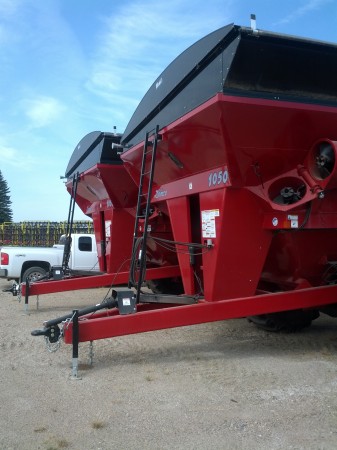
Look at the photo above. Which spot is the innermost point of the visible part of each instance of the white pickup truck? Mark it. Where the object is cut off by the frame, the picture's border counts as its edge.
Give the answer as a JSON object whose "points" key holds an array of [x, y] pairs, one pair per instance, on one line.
{"points": [[18, 263]]}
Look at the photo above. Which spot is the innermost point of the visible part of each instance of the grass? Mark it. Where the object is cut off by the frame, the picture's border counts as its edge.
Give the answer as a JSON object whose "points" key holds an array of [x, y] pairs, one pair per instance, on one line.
{"points": [[98, 424], [57, 444], [40, 429]]}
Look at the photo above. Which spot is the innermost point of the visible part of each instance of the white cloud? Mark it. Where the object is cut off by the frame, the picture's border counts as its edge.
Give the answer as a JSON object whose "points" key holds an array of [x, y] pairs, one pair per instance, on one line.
{"points": [[12, 157], [311, 5], [42, 111], [139, 40], [7, 153]]}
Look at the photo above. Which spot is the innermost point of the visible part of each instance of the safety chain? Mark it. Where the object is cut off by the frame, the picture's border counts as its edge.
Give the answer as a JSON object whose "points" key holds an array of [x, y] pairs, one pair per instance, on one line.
{"points": [[19, 295], [52, 347], [68, 321]]}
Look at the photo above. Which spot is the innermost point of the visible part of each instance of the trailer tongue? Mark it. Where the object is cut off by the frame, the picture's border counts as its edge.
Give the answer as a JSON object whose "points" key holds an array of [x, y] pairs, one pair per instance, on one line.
{"points": [[222, 188]]}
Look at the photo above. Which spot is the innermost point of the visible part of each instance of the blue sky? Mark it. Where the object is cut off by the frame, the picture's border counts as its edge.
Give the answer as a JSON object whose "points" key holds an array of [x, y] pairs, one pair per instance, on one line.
{"points": [[68, 67]]}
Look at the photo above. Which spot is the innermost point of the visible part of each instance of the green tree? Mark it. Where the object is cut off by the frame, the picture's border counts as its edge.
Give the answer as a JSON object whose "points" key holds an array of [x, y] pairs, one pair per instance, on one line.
{"points": [[6, 214]]}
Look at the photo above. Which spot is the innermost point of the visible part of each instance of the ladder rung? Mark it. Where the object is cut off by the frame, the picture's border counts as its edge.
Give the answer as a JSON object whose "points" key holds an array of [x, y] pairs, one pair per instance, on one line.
{"points": [[142, 175]]}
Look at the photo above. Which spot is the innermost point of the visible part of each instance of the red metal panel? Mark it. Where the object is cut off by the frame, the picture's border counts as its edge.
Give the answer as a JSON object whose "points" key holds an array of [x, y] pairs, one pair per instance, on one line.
{"points": [[301, 254], [119, 246], [232, 268], [105, 182], [194, 184]]}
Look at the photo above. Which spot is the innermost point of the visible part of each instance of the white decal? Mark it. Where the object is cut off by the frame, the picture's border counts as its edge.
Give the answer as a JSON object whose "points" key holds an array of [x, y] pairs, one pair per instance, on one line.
{"points": [[275, 221], [107, 228], [293, 221], [208, 223]]}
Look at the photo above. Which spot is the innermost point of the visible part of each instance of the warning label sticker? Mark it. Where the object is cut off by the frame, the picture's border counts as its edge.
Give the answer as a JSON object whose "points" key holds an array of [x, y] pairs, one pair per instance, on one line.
{"points": [[107, 228], [208, 222]]}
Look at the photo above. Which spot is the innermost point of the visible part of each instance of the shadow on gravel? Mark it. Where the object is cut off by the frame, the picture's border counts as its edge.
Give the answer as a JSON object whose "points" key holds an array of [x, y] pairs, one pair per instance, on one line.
{"points": [[223, 341]]}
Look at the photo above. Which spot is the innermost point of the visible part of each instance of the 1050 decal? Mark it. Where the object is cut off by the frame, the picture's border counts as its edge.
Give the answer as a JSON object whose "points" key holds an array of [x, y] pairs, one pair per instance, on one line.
{"points": [[218, 177]]}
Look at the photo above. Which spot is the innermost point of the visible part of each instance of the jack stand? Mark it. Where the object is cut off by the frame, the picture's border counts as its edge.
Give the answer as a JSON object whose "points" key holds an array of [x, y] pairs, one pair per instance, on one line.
{"points": [[74, 374], [26, 296], [91, 353]]}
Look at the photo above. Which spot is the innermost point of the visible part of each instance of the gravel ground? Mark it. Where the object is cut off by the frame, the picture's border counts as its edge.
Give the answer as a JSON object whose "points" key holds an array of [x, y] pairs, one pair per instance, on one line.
{"points": [[225, 385]]}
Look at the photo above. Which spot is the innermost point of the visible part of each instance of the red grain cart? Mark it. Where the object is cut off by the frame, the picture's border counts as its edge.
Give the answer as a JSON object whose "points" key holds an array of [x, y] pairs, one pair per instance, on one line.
{"points": [[221, 193]]}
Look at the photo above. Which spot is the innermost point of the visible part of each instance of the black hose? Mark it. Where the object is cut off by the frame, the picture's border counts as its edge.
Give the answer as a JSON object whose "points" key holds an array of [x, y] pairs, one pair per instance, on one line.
{"points": [[107, 304]]}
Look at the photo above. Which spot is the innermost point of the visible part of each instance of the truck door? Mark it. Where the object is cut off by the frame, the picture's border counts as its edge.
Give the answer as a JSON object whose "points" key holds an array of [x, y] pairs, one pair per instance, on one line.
{"points": [[84, 254]]}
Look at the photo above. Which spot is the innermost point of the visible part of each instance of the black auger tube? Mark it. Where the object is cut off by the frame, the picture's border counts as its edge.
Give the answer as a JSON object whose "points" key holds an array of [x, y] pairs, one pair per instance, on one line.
{"points": [[108, 304]]}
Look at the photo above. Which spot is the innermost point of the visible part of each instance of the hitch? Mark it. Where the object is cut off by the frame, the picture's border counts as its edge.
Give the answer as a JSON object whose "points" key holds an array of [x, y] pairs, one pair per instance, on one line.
{"points": [[52, 333], [51, 326], [123, 300], [15, 289]]}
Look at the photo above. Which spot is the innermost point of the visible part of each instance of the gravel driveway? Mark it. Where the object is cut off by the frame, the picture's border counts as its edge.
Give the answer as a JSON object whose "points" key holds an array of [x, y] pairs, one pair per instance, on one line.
{"points": [[224, 385]]}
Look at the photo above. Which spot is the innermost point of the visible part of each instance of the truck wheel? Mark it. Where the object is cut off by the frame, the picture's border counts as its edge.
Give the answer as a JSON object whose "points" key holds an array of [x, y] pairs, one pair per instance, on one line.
{"points": [[171, 286], [289, 321], [33, 273]]}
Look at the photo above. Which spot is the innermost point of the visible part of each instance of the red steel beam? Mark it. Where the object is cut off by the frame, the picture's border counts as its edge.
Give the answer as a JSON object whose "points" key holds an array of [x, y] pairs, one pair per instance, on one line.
{"points": [[93, 281], [103, 325]]}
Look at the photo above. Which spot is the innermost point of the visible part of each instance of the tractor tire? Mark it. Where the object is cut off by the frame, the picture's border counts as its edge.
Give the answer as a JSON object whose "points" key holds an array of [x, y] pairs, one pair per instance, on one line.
{"points": [[34, 273], [171, 286], [288, 321]]}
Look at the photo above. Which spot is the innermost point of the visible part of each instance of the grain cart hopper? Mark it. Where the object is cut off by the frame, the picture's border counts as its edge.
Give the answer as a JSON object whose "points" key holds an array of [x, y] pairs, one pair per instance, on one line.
{"points": [[226, 184]]}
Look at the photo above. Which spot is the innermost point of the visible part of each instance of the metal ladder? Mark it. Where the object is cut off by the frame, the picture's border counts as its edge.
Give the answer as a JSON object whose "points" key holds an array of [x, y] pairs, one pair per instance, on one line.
{"points": [[138, 255]]}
